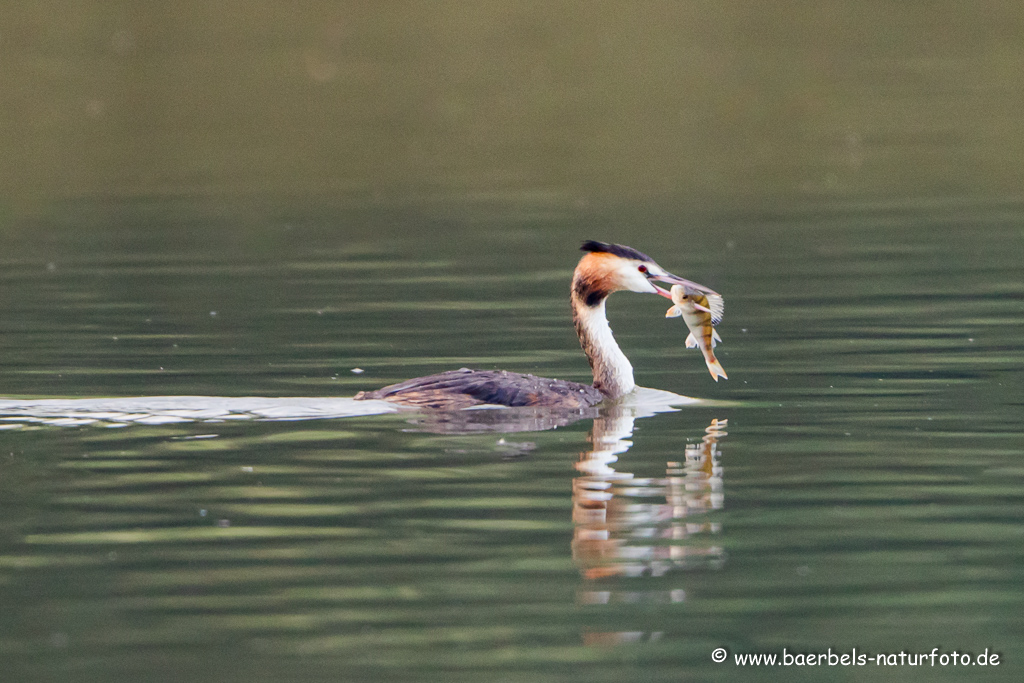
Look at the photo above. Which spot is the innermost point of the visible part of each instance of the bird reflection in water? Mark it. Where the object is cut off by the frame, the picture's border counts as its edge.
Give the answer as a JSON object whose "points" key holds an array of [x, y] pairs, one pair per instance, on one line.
{"points": [[626, 529], [621, 533]]}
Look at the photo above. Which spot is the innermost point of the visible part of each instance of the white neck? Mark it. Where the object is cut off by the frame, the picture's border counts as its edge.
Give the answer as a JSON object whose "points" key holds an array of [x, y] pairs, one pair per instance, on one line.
{"points": [[613, 373]]}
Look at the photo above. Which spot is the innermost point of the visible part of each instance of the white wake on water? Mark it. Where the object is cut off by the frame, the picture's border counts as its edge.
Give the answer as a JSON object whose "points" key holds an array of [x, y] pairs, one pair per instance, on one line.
{"points": [[156, 410], [119, 412]]}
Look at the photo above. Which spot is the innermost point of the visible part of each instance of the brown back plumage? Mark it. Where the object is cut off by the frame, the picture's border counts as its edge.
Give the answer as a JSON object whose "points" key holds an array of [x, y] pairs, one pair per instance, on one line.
{"points": [[464, 388]]}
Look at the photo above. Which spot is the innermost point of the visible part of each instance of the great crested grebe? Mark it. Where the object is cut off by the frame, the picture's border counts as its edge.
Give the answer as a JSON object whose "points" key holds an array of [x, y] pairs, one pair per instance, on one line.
{"points": [[604, 269]]}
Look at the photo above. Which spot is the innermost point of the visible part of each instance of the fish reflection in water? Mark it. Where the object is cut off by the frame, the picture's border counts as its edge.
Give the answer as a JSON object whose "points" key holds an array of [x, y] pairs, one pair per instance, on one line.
{"points": [[618, 536]]}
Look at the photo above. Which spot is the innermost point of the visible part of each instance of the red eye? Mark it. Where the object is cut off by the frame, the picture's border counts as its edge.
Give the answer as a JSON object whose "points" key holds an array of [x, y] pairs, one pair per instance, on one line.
{"points": [[642, 269]]}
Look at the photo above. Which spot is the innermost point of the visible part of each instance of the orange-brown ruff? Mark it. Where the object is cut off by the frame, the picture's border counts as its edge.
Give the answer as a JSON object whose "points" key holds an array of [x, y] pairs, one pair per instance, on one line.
{"points": [[604, 269]]}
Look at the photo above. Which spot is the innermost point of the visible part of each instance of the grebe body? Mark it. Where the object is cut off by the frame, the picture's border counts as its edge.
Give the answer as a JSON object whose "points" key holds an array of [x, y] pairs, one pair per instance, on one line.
{"points": [[604, 269]]}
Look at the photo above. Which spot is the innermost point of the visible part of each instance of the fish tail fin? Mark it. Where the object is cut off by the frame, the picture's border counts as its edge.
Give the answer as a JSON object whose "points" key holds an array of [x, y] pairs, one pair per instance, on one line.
{"points": [[715, 368], [691, 341]]}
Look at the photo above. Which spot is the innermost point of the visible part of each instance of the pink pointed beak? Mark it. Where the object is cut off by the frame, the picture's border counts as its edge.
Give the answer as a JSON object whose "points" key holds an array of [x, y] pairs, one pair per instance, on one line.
{"points": [[664, 292], [676, 280]]}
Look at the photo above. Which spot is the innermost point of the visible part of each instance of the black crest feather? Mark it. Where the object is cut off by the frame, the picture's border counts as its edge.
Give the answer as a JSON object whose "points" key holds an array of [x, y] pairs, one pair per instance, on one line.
{"points": [[616, 249]]}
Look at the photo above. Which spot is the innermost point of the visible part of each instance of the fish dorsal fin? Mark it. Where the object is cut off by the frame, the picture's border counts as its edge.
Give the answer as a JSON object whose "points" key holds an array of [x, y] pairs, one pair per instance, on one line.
{"points": [[717, 305], [714, 337]]}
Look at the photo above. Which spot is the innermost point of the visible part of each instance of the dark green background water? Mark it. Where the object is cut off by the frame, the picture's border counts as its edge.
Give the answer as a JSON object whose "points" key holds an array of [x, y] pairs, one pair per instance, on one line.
{"points": [[255, 199]]}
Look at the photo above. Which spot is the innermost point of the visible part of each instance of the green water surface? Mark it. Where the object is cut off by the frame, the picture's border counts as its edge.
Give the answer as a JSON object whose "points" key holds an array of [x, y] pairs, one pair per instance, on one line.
{"points": [[865, 493]]}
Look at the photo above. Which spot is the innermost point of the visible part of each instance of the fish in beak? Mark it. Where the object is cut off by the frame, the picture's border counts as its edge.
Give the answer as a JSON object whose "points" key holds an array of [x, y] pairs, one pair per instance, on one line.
{"points": [[701, 311]]}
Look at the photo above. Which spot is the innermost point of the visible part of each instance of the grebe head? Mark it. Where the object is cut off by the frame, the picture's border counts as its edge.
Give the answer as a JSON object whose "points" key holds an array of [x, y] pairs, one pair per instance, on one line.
{"points": [[604, 269], [608, 268]]}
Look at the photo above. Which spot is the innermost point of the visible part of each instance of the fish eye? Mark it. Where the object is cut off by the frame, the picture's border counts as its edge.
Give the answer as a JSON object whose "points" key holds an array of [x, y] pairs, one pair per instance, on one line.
{"points": [[642, 268]]}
